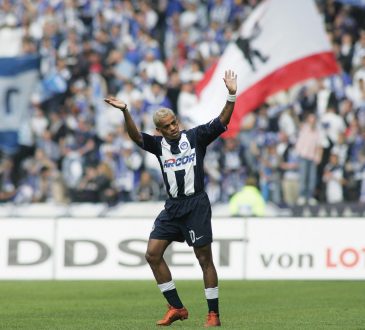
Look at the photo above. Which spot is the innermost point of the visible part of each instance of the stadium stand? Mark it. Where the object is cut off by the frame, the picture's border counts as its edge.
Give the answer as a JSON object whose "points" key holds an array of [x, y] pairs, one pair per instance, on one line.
{"points": [[151, 54]]}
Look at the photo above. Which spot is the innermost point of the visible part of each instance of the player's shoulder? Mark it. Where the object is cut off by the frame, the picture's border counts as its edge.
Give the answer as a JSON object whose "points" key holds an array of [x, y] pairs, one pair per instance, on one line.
{"points": [[212, 124], [190, 133], [152, 136]]}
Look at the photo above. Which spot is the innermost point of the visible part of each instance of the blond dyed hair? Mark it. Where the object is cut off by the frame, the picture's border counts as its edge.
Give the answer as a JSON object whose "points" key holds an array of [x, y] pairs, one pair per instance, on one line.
{"points": [[161, 113]]}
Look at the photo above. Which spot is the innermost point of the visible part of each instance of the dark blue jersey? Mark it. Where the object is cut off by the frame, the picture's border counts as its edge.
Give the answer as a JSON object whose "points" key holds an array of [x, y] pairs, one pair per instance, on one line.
{"points": [[182, 161]]}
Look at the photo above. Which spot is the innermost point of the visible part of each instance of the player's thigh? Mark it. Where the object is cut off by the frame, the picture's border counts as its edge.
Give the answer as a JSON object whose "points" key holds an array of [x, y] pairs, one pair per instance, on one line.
{"points": [[198, 226], [166, 229]]}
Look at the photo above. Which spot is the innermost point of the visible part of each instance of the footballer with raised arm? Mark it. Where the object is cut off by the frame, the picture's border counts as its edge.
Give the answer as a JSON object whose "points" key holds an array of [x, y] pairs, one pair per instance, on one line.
{"points": [[187, 212]]}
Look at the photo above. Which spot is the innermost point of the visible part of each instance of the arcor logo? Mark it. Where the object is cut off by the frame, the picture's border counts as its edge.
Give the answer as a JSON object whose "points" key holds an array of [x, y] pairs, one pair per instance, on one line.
{"points": [[172, 162]]}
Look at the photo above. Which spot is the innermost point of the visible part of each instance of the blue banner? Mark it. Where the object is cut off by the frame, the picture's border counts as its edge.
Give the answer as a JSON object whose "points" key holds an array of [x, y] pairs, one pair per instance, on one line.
{"points": [[18, 78]]}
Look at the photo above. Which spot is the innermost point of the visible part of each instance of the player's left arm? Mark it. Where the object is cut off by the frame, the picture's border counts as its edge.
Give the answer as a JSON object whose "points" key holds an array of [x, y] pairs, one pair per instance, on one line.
{"points": [[230, 79]]}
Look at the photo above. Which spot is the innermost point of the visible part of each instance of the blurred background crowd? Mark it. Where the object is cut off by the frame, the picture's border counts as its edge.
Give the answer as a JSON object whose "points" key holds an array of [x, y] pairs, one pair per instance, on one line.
{"points": [[304, 145]]}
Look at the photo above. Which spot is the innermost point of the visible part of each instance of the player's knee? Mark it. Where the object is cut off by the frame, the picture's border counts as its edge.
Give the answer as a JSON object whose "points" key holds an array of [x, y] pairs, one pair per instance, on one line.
{"points": [[151, 257], [204, 260], [148, 257]]}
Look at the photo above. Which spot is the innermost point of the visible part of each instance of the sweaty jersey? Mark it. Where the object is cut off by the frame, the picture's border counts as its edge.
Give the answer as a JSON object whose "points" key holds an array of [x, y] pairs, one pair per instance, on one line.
{"points": [[182, 160]]}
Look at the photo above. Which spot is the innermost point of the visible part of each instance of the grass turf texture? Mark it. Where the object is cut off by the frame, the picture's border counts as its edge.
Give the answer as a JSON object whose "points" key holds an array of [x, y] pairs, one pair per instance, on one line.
{"points": [[138, 304]]}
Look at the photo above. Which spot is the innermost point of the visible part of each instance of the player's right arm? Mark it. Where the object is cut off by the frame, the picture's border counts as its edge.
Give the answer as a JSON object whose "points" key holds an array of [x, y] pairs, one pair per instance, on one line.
{"points": [[230, 79], [132, 129]]}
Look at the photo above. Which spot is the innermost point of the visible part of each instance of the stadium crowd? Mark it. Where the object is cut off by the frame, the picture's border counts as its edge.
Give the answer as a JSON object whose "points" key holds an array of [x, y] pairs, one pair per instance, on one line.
{"points": [[151, 54]]}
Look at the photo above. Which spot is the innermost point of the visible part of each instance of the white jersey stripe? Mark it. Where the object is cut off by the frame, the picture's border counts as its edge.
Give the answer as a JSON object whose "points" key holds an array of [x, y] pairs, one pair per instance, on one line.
{"points": [[189, 170], [165, 158], [185, 160]]}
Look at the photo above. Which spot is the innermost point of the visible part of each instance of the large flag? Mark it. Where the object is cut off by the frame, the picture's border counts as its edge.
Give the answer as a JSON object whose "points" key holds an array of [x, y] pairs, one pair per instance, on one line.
{"points": [[281, 43], [18, 77]]}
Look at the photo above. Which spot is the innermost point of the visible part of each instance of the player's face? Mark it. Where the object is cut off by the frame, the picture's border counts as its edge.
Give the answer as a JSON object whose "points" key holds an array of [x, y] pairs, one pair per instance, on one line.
{"points": [[169, 127]]}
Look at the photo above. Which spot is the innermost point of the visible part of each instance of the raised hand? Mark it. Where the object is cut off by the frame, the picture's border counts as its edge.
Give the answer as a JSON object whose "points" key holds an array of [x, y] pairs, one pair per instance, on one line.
{"points": [[116, 103], [132, 129], [230, 79]]}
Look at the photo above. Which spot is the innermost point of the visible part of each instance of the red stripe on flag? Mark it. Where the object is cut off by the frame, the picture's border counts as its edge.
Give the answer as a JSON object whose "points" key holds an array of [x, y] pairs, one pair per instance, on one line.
{"points": [[206, 79], [314, 66]]}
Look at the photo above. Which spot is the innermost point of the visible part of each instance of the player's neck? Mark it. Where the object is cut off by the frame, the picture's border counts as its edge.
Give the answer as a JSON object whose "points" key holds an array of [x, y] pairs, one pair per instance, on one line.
{"points": [[172, 140]]}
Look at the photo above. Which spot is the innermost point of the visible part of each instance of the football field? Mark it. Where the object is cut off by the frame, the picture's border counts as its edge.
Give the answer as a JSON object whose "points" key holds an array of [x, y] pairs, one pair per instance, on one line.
{"points": [[138, 304]]}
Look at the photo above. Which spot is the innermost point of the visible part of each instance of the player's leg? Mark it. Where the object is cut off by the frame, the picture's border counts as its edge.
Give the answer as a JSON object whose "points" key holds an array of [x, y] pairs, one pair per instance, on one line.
{"points": [[161, 272], [154, 256], [205, 258], [198, 233]]}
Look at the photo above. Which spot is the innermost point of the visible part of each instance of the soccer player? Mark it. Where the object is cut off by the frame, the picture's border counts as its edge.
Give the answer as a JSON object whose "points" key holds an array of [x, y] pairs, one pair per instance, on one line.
{"points": [[187, 212]]}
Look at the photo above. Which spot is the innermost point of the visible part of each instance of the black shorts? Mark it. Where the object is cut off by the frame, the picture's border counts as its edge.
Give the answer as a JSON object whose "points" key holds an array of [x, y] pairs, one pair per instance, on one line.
{"points": [[187, 219]]}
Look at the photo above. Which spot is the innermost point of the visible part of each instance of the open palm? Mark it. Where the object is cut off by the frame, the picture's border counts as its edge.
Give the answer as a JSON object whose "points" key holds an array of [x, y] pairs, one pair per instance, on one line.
{"points": [[230, 79], [116, 103]]}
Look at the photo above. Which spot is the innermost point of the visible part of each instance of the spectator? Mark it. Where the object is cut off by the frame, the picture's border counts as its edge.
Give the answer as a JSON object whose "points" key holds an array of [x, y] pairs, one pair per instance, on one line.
{"points": [[220, 12], [148, 189], [104, 181], [122, 69], [359, 50], [185, 103], [155, 69], [341, 149], [128, 171], [362, 178], [155, 97], [346, 52], [41, 181], [49, 147], [333, 176], [347, 111], [248, 201], [234, 170], [269, 170], [309, 149], [11, 36], [81, 140], [87, 189], [39, 122], [70, 48], [43, 187], [7, 187], [289, 166], [173, 90], [246, 139], [214, 176], [333, 125], [288, 123]]}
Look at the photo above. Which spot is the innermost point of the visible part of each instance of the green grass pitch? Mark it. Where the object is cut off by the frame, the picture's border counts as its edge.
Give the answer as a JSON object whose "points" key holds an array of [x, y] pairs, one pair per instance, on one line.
{"points": [[138, 304]]}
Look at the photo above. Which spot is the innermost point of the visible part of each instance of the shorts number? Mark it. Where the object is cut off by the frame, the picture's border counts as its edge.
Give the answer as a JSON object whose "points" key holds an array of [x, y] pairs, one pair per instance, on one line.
{"points": [[192, 235]]}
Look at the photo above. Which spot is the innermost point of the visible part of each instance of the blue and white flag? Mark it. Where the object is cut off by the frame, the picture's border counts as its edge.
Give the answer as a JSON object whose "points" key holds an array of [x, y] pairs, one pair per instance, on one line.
{"points": [[18, 78]]}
